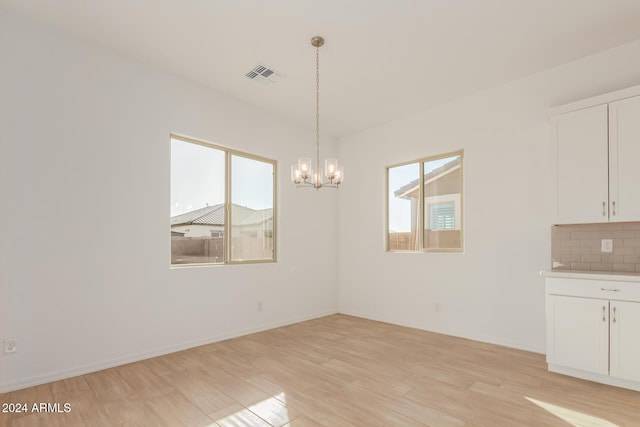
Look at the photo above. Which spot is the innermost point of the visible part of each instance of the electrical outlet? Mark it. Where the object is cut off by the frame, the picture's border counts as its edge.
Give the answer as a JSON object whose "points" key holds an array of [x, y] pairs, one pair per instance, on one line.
{"points": [[259, 307], [10, 345], [606, 245]]}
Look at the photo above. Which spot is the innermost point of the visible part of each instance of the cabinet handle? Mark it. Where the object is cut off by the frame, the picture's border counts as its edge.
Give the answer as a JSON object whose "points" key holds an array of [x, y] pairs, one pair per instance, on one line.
{"points": [[604, 207], [604, 319], [609, 290], [614, 208], [614, 315]]}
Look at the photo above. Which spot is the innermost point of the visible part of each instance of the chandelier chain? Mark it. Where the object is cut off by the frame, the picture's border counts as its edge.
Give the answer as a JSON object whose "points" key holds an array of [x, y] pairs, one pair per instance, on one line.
{"points": [[318, 109]]}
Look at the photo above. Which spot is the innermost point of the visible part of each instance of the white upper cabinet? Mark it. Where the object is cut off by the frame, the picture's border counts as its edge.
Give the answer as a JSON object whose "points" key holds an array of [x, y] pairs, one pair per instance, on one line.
{"points": [[581, 165], [624, 159], [597, 162]]}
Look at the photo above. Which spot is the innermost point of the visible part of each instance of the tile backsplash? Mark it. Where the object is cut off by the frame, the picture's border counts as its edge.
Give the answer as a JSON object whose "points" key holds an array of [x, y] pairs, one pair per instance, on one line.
{"points": [[578, 247]]}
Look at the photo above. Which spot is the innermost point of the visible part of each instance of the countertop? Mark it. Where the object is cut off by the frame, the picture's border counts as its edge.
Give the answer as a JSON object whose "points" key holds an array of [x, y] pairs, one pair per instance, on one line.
{"points": [[592, 275]]}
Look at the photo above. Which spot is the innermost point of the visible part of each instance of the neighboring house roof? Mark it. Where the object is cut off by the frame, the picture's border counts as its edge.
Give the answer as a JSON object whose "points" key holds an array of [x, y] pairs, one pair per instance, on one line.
{"points": [[437, 173], [256, 217], [214, 215]]}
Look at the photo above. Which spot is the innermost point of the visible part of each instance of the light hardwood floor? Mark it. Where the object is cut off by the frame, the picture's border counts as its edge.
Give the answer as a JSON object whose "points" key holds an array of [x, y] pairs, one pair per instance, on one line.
{"points": [[334, 371]]}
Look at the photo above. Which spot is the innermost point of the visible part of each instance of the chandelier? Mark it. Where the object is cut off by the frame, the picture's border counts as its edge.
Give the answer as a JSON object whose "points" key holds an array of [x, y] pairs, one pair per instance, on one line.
{"points": [[302, 173]]}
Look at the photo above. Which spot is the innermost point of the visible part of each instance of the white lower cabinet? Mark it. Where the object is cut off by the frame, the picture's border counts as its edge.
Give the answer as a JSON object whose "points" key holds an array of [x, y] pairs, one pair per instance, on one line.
{"points": [[593, 330], [624, 340], [578, 334]]}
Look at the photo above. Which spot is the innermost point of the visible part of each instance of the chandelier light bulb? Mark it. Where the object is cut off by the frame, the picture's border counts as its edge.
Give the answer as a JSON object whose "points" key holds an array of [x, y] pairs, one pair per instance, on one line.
{"points": [[339, 175], [296, 177], [330, 168], [304, 166]]}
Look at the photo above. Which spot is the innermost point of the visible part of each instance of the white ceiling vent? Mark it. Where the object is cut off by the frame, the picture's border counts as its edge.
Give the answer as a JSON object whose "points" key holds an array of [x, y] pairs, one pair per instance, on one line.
{"points": [[263, 74]]}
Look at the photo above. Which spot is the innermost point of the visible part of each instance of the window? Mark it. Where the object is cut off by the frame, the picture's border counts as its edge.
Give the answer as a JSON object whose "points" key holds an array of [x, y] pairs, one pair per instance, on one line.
{"points": [[222, 205], [425, 214]]}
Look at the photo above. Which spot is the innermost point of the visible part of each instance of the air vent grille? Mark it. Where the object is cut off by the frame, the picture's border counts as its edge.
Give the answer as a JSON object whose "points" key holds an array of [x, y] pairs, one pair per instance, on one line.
{"points": [[263, 74]]}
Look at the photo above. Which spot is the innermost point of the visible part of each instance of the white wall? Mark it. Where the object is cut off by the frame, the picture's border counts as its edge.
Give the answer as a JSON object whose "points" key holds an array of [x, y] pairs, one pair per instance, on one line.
{"points": [[84, 205], [492, 292]]}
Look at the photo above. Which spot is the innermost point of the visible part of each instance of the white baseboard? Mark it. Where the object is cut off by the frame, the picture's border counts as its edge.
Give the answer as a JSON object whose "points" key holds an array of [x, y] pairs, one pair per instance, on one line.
{"points": [[590, 376], [483, 338], [106, 364]]}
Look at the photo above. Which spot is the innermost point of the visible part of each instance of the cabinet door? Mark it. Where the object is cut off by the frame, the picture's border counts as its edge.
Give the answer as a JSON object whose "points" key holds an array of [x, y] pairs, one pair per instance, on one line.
{"points": [[625, 340], [581, 166], [624, 159], [578, 333]]}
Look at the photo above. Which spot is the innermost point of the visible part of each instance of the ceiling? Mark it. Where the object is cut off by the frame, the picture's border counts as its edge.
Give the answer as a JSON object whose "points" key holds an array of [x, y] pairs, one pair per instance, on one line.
{"points": [[383, 59]]}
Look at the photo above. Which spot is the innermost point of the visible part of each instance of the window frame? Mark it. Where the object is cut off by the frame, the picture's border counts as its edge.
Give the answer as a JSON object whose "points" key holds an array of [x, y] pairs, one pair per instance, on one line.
{"points": [[228, 232], [422, 205]]}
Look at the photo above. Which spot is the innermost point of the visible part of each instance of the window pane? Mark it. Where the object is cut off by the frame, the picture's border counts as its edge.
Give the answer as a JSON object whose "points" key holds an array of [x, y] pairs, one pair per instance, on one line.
{"points": [[197, 203], [442, 200], [403, 208], [252, 199]]}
